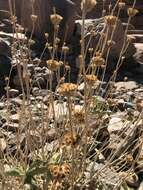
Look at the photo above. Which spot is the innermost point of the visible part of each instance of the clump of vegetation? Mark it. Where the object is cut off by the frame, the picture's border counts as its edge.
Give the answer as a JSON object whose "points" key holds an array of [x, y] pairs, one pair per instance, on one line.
{"points": [[82, 153]]}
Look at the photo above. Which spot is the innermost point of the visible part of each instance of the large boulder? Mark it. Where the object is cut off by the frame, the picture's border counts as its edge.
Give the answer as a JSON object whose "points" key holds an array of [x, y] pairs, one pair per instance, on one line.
{"points": [[43, 9]]}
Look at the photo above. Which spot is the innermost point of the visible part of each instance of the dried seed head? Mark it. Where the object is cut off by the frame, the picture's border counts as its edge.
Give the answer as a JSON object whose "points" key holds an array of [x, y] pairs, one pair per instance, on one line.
{"points": [[34, 18], [53, 65], [65, 49], [91, 79], [67, 89], [46, 35], [90, 50], [121, 4], [88, 5], [79, 116], [110, 43], [13, 19], [110, 20], [56, 19], [93, 33], [97, 61], [65, 169], [50, 47], [129, 158], [67, 68], [57, 40], [69, 139], [132, 12], [55, 170]]}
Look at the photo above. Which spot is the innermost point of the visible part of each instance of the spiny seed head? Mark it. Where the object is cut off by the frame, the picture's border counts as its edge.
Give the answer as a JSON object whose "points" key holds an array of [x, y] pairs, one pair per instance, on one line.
{"points": [[55, 170], [34, 18], [110, 20], [67, 89], [97, 61], [56, 19], [88, 5], [91, 79], [53, 65], [69, 139], [132, 12], [60, 171], [65, 168]]}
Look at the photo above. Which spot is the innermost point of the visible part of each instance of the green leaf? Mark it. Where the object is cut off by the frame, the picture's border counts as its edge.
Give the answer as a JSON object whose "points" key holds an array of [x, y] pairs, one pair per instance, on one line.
{"points": [[36, 171], [55, 159], [16, 172]]}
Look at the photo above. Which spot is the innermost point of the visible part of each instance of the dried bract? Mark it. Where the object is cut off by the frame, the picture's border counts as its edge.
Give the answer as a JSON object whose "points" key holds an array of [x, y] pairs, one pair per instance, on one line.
{"points": [[56, 19], [67, 89], [53, 65], [132, 12]]}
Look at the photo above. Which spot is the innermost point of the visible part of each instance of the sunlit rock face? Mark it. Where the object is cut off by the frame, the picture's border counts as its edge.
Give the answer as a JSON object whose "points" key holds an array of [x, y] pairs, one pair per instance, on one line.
{"points": [[43, 9]]}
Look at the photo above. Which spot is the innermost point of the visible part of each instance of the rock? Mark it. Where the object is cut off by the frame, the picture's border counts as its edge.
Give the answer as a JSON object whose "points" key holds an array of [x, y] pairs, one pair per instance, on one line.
{"points": [[2, 105], [4, 47], [141, 186], [13, 93], [11, 36], [43, 9], [14, 118], [16, 101], [51, 135], [98, 25], [139, 52], [97, 12], [13, 127], [132, 180], [5, 65], [130, 85], [3, 145]]}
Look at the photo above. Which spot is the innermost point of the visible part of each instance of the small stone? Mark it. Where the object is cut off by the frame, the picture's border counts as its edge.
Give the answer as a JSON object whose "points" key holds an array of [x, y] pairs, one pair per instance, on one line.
{"points": [[14, 118], [2, 105], [3, 144], [13, 93], [130, 85], [51, 135], [13, 127], [16, 101]]}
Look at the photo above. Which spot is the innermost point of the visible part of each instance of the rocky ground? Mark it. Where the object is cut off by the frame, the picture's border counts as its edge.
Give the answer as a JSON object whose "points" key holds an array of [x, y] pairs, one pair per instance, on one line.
{"points": [[123, 108]]}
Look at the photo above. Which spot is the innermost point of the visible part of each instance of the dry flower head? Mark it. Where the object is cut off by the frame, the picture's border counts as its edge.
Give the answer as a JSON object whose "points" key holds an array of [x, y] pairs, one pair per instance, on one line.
{"points": [[110, 20], [132, 12], [56, 19], [88, 5], [91, 79], [69, 139], [67, 89], [53, 65], [97, 61]]}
